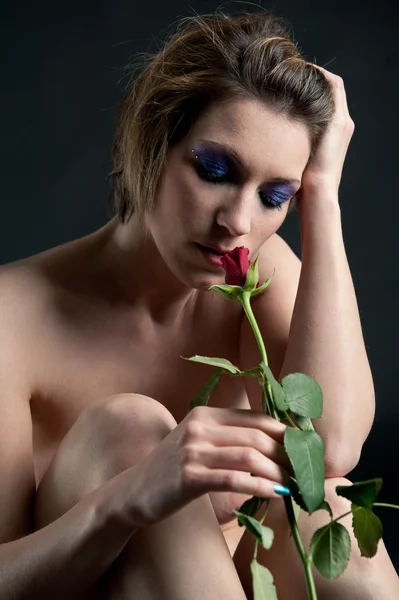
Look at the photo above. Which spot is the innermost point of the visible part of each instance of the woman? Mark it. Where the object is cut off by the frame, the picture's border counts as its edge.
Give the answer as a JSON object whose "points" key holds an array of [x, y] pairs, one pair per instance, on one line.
{"points": [[109, 488]]}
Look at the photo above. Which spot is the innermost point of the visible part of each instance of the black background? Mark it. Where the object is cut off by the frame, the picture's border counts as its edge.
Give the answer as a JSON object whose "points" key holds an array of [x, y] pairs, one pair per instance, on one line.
{"points": [[62, 78]]}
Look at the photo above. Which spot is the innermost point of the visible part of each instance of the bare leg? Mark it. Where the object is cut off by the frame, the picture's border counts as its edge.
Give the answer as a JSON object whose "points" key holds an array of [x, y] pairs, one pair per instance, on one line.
{"points": [[363, 579], [183, 557]]}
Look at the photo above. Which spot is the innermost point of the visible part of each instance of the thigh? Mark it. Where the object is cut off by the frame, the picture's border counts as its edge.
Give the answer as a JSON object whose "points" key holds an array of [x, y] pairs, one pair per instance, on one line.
{"points": [[108, 437]]}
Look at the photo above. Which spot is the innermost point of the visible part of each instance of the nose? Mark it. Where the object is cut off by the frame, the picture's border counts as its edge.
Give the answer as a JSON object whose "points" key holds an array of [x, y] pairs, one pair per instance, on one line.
{"points": [[235, 214]]}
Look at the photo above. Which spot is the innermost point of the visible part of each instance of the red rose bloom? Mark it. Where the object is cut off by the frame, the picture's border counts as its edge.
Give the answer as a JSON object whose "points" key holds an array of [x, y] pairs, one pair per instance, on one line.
{"points": [[236, 265]]}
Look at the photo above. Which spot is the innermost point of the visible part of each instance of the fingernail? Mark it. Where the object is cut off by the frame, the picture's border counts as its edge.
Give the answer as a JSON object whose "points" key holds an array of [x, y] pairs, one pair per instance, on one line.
{"points": [[281, 489]]}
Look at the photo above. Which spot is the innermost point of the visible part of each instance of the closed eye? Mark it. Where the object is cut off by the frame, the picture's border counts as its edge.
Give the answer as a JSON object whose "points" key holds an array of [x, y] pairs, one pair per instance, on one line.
{"points": [[210, 170], [218, 174], [273, 201]]}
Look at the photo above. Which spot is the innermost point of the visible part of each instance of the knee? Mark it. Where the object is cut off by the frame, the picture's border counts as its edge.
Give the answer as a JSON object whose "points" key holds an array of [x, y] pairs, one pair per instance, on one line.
{"points": [[124, 428], [108, 437], [130, 416]]}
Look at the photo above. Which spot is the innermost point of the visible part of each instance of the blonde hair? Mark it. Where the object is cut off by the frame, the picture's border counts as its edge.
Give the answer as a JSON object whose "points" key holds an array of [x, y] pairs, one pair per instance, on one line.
{"points": [[209, 58]]}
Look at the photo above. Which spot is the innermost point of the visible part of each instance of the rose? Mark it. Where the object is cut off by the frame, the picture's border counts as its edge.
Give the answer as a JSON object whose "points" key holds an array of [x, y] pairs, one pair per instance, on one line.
{"points": [[242, 277], [298, 396], [236, 265]]}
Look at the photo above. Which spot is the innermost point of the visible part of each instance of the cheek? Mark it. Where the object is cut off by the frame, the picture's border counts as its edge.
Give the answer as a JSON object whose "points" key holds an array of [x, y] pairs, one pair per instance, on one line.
{"points": [[269, 224], [193, 201], [173, 199]]}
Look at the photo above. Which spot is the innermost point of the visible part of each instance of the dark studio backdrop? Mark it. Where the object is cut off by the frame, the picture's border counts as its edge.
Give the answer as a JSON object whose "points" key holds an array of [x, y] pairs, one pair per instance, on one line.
{"points": [[62, 78]]}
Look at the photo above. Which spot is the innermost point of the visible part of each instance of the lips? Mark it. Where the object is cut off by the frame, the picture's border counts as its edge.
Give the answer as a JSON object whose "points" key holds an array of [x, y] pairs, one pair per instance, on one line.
{"points": [[211, 254], [213, 248]]}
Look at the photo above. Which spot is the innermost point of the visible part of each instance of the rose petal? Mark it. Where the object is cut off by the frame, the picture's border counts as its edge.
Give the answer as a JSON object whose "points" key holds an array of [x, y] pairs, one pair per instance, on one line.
{"points": [[236, 265]]}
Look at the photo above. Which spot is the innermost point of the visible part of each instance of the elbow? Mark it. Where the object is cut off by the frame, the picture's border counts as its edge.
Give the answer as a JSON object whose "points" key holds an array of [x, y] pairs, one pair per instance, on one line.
{"points": [[340, 459], [343, 449], [340, 466]]}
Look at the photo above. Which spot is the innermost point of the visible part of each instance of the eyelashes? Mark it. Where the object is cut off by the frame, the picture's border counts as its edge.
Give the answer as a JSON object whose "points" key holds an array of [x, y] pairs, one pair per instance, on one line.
{"points": [[211, 170]]}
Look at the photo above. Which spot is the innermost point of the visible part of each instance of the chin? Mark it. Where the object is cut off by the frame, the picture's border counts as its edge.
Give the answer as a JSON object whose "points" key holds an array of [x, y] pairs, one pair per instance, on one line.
{"points": [[196, 275], [202, 282]]}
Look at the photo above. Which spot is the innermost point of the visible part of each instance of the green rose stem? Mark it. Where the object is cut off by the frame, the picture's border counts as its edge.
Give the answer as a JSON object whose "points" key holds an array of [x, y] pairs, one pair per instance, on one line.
{"points": [[245, 299], [306, 560], [261, 522], [385, 504]]}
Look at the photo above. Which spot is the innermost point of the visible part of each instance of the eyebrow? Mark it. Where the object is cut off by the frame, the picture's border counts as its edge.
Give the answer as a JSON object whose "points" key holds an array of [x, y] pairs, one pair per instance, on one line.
{"points": [[236, 157]]}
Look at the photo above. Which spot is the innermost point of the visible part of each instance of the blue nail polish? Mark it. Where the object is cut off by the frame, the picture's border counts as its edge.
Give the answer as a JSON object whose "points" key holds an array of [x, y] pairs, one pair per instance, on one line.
{"points": [[281, 489]]}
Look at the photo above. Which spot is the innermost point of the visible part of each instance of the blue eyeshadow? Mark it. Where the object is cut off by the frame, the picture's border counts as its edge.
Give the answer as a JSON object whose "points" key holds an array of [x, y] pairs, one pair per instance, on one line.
{"points": [[210, 158], [221, 168], [280, 191]]}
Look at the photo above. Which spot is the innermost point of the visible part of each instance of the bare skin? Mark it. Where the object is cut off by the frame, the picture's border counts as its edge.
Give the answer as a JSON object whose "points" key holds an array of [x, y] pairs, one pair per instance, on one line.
{"points": [[117, 351], [95, 329], [90, 350]]}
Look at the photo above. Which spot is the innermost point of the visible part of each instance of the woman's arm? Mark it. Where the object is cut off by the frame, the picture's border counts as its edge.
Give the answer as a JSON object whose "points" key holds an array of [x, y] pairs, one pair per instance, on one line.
{"points": [[310, 323], [326, 340], [326, 323], [313, 326], [66, 557]]}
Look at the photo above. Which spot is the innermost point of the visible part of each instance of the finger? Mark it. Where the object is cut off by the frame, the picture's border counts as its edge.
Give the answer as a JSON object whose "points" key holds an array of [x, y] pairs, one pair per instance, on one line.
{"points": [[239, 459], [220, 435], [219, 480], [337, 88], [242, 417]]}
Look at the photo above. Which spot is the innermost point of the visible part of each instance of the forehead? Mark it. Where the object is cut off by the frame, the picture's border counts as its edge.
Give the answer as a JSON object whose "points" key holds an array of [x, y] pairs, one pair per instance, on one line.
{"points": [[263, 138]]}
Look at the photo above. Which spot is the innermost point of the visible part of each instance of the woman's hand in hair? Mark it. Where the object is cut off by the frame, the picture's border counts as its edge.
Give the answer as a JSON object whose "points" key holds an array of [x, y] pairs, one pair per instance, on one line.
{"points": [[323, 175]]}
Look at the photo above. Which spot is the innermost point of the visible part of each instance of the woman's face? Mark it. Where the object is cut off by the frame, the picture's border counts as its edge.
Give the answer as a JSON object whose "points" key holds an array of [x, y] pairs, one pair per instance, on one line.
{"points": [[227, 183]]}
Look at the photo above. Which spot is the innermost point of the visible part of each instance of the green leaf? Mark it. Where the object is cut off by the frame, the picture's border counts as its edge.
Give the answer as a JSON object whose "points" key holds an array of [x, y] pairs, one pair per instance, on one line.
{"points": [[296, 507], [263, 534], [367, 528], [203, 395], [362, 493], [296, 494], [262, 287], [303, 395], [222, 363], [252, 276], [262, 582], [255, 372], [278, 392], [251, 506], [330, 549], [305, 450], [265, 402], [304, 423], [231, 292], [325, 506], [297, 510], [298, 499], [267, 537]]}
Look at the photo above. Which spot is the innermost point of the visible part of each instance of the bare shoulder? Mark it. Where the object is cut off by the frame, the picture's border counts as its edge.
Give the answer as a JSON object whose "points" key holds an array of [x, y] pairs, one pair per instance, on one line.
{"points": [[26, 303], [39, 274], [277, 260], [18, 289], [277, 254], [28, 291], [20, 293], [23, 290], [17, 345], [24, 297]]}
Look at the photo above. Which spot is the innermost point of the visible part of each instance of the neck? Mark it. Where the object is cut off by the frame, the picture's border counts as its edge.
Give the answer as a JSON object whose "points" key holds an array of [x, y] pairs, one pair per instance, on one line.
{"points": [[139, 274]]}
